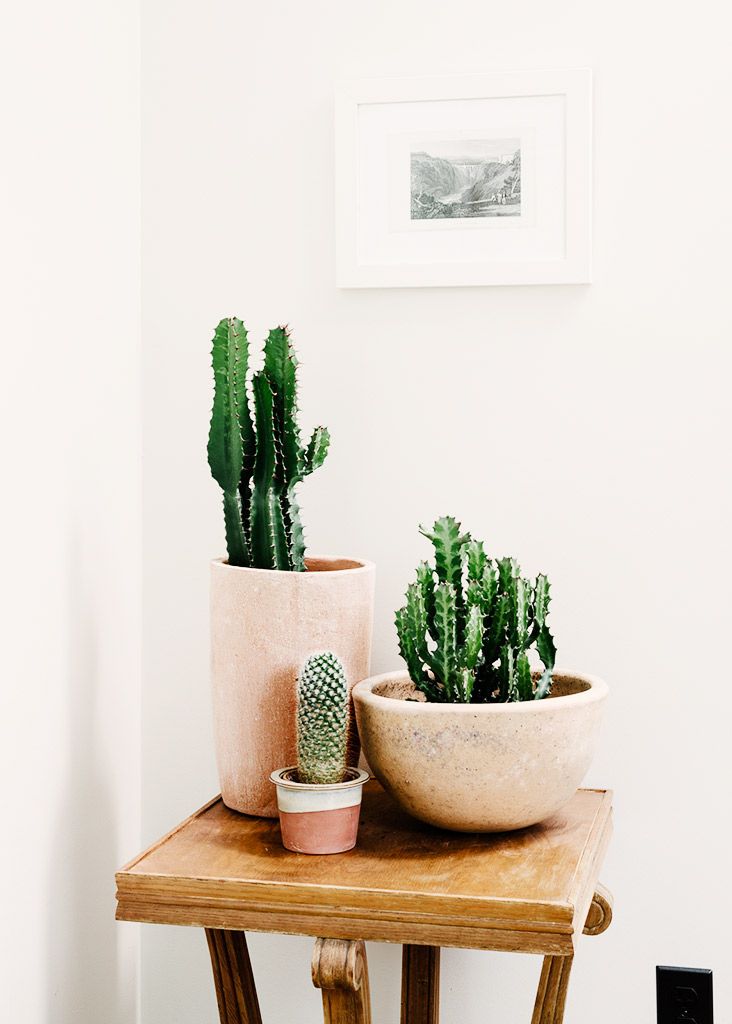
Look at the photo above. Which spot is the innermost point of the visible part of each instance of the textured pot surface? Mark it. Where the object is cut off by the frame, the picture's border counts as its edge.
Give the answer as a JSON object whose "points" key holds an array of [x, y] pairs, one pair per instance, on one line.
{"points": [[264, 624], [319, 819], [480, 768]]}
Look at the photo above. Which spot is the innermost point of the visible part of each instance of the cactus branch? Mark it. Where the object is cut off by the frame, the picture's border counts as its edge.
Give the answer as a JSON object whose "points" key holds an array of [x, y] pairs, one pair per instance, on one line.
{"points": [[314, 455], [226, 444], [262, 528]]}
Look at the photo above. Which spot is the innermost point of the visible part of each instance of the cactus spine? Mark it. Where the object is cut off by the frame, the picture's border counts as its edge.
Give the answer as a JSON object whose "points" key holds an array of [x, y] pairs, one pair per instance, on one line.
{"points": [[258, 460], [469, 624], [322, 720]]}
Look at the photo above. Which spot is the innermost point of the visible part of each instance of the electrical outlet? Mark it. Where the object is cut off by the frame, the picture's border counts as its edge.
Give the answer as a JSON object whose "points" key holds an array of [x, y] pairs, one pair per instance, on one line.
{"points": [[684, 995]]}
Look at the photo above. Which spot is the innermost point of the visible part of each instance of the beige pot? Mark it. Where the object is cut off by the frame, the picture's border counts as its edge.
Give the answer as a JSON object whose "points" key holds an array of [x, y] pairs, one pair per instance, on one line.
{"points": [[480, 767], [264, 624]]}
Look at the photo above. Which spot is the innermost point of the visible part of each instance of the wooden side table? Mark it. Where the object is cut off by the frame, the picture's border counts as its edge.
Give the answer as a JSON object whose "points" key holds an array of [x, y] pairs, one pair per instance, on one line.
{"points": [[532, 891]]}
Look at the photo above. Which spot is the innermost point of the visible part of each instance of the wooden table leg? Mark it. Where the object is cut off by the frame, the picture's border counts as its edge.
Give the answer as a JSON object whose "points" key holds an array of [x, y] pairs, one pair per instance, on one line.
{"points": [[341, 972], [420, 985], [552, 993], [236, 992]]}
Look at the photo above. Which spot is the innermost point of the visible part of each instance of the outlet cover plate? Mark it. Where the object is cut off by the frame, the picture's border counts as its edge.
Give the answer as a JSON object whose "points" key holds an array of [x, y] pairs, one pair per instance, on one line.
{"points": [[684, 995]]}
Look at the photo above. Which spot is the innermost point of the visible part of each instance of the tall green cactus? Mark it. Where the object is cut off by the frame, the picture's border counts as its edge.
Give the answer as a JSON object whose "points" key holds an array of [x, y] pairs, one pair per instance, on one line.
{"points": [[469, 624], [259, 460], [322, 720]]}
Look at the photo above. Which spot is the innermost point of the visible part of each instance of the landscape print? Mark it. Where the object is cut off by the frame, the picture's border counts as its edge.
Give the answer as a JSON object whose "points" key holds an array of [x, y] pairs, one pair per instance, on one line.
{"points": [[466, 178]]}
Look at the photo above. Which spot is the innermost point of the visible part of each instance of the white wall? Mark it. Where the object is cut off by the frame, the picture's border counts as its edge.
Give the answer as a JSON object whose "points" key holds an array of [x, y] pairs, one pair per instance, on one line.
{"points": [[70, 540], [583, 429]]}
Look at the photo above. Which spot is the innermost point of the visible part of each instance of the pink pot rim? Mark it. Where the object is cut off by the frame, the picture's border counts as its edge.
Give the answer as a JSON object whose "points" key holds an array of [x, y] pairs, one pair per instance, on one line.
{"points": [[358, 565], [358, 778], [362, 692]]}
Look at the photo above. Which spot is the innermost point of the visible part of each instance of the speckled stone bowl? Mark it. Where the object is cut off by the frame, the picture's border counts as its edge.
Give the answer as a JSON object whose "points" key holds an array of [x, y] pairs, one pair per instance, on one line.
{"points": [[479, 767]]}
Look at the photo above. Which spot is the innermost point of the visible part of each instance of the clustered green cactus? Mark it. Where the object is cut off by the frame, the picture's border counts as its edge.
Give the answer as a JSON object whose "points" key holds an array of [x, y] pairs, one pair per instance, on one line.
{"points": [[470, 622], [322, 720], [259, 461]]}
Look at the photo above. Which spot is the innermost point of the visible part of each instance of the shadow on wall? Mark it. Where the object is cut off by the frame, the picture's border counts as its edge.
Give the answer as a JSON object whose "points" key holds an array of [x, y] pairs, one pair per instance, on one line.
{"points": [[82, 935]]}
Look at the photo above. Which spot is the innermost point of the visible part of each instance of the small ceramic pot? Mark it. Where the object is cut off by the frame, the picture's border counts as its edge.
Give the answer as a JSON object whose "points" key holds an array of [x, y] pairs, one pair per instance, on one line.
{"points": [[319, 819]]}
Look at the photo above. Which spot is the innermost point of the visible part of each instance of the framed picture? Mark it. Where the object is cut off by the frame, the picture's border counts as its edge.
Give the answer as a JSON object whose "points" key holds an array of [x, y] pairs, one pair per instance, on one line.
{"points": [[464, 180]]}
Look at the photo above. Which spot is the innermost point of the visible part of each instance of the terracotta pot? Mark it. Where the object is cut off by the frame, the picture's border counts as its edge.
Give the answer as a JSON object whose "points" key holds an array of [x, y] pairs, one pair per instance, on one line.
{"points": [[264, 624], [480, 767], [319, 819]]}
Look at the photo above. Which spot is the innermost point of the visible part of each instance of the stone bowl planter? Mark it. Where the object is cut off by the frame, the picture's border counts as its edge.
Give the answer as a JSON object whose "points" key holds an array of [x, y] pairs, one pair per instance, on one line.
{"points": [[479, 767], [264, 624], [319, 819]]}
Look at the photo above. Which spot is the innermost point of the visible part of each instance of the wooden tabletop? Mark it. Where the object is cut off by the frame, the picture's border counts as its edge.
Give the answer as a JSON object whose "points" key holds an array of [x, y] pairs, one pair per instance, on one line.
{"points": [[405, 882]]}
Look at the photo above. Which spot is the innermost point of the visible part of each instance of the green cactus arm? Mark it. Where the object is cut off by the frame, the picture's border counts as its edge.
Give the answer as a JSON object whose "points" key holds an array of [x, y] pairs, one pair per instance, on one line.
{"points": [[280, 367], [466, 684], [507, 675], [236, 543], [482, 592], [473, 595], [314, 454], [280, 542], [249, 450], [411, 624], [495, 631], [267, 529], [519, 595], [224, 439], [475, 560], [524, 682], [444, 657], [408, 646], [294, 530], [544, 685], [426, 584], [448, 544], [541, 598], [229, 356], [546, 648], [411, 650], [508, 570], [473, 637], [489, 588]]}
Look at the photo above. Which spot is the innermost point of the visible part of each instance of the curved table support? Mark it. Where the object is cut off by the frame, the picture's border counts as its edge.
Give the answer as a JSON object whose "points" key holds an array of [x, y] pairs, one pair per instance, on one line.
{"points": [[340, 970], [600, 914]]}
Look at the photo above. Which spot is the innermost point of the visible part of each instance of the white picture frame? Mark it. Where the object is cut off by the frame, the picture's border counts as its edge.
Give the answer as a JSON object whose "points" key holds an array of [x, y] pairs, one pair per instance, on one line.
{"points": [[387, 132]]}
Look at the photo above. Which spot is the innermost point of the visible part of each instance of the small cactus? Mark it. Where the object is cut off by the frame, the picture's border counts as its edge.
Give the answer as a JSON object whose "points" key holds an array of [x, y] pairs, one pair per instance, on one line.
{"points": [[470, 622], [322, 720]]}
